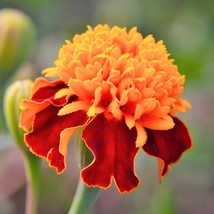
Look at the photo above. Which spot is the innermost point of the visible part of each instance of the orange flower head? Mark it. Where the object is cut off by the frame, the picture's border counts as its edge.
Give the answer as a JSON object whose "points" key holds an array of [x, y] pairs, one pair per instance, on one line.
{"points": [[124, 90]]}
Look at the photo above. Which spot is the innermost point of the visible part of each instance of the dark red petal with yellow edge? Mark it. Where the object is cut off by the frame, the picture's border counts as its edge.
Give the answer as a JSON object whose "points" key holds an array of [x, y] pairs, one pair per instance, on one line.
{"points": [[46, 90], [168, 145], [45, 137], [113, 147], [43, 93]]}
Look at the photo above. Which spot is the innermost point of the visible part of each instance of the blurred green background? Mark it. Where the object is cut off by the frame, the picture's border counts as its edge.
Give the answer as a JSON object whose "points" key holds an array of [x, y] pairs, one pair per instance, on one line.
{"points": [[187, 28]]}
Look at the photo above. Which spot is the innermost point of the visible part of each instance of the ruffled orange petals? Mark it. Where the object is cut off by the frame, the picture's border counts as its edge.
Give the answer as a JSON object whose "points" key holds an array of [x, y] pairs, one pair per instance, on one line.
{"points": [[120, 72], [114, 150], [44, 139], [168, 145]]}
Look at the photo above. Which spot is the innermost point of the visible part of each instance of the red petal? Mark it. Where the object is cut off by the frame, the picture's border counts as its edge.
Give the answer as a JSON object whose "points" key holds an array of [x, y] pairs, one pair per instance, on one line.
{"points": [[45, 137], [43, 95], [113, 147], [168, 145], [46, 90]]}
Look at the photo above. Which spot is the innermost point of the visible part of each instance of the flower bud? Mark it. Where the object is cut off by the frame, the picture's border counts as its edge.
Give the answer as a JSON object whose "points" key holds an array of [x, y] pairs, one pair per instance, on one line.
{"points": [[13, 95], [17, 37]]}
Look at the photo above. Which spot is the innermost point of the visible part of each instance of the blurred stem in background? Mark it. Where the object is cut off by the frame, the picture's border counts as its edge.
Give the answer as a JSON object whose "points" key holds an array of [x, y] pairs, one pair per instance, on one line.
{"points": [[33, 174], [164, 201], [17, 39], [85, 197], [13, 95]]}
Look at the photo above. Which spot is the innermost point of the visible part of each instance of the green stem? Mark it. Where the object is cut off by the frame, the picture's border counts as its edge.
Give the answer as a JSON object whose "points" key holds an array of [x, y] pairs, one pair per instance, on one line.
{"points": [[33, 173], [84, 199], [85, 196]]}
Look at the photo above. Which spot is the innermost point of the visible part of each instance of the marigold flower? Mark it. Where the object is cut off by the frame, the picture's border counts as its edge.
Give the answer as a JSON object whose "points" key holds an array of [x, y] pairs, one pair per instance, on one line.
{"points": [[124, 90]]}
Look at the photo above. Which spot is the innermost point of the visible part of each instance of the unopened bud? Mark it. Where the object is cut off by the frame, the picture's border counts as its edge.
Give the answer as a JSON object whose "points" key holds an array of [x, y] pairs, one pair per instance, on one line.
{"points": [[17, 38], [13, 95]]}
